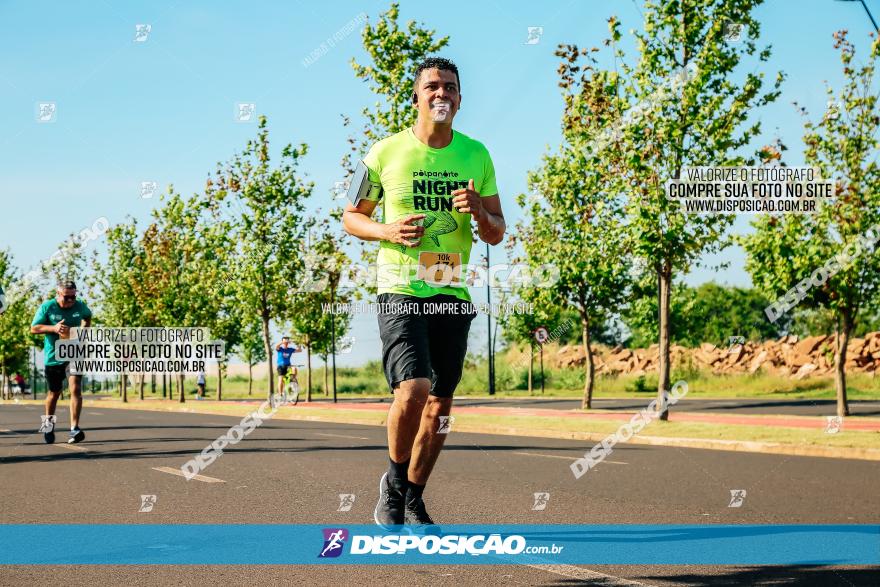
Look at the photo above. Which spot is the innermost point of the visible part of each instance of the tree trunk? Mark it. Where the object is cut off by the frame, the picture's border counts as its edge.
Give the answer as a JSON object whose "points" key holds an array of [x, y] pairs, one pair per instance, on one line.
{"points": [[164, 388], [664, 283], [124, 383], [268, 344], [3, 376], [309, 372], [141, 381], [181, 388], [219, 381], [531, 365], [844, 329], [590, 374], [153, 383], [250, 379], [326, 380]]}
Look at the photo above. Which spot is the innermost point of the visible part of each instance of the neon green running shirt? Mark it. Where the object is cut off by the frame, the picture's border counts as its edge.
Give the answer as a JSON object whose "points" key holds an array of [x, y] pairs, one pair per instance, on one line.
{"points": [[418, 179]]}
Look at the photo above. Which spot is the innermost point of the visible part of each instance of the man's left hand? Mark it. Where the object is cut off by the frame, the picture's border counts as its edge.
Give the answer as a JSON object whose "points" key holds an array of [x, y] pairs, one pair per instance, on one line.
{"points": [[467, 201]]}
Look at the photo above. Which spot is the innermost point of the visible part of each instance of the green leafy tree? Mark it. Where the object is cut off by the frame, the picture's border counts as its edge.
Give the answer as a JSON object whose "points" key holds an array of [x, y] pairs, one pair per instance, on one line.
{"points": [[519, 327], [15, 323], [394, 53], [686, 102], [708, 313], [331, 279], [839, 241], [209, 284], [115, 283], [576, 225], [266, 204]]}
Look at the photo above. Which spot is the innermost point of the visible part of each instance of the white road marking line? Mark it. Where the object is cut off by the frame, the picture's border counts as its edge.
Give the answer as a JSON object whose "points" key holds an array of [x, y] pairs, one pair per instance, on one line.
{"points": [[5, 430], [178, 472], [70, 446], [96, 413], [595, 577], [535, 454], [342, 436]]}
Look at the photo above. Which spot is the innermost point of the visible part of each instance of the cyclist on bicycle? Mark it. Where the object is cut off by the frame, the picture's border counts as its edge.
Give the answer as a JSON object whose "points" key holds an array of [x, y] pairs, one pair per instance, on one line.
{"points": [[284, 351]]}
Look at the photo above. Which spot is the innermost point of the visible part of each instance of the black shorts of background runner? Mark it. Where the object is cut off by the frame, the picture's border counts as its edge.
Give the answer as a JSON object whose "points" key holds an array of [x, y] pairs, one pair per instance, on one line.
{"points": [[282, 370], [55, 376], [420, 341]]}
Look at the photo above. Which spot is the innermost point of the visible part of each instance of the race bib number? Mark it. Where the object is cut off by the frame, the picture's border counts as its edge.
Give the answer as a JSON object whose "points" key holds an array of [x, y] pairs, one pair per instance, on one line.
{"points": [[440, 268]]}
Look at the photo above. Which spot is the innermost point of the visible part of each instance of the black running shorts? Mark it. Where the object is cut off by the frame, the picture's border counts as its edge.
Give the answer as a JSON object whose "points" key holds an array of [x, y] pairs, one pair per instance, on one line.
{"points": [[424, 337], [282, 370], [55, 376]]}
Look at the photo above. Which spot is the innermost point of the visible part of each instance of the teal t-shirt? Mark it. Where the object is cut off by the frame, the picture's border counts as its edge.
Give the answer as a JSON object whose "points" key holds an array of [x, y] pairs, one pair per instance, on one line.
{"points": [[418, 179], [50, 314]]}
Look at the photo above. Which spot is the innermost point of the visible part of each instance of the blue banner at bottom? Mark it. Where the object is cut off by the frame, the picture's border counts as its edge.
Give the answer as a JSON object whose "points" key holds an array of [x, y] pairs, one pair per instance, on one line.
{"points": [[147, 544]]}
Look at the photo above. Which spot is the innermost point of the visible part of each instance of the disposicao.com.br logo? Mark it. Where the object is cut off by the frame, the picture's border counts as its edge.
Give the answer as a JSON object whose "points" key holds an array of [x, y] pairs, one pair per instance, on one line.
{"points": [[451, 544]]}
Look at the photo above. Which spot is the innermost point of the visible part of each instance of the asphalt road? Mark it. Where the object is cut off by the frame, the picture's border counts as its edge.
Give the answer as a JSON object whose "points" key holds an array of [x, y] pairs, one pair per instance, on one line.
{"points": [[290, 472], [713, 406]]}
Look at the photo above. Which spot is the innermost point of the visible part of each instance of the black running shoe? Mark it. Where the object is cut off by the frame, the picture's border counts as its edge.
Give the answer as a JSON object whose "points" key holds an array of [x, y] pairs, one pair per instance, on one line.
{"points": [[76, 435], [415, 513], [389, 510]]}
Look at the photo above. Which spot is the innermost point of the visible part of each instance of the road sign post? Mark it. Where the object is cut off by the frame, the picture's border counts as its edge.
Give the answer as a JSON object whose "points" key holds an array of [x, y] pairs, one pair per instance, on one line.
{"points": [[542, 336]]}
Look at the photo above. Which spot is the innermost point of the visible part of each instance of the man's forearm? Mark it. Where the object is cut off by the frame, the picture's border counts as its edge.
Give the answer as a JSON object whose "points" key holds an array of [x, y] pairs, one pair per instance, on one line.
{"points": [[42, 329], [491, 227], [363, 227]]}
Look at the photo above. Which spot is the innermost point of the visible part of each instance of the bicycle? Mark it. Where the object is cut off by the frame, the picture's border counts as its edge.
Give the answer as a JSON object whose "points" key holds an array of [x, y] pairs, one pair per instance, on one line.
{"points": [[289, 387]]}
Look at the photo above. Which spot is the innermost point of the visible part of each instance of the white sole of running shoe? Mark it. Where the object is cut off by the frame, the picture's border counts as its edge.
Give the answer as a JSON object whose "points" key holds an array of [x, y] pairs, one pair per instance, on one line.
{"points": [[376, 509]]}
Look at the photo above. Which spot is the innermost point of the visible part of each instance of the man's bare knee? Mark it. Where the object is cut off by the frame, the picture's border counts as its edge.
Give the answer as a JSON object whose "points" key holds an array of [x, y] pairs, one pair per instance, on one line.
{"points": [[412, 394], [437, 406]]}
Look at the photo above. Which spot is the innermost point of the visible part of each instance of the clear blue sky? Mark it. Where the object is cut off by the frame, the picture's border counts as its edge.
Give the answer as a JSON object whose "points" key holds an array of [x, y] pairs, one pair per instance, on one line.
{"points": [[162, 110]]}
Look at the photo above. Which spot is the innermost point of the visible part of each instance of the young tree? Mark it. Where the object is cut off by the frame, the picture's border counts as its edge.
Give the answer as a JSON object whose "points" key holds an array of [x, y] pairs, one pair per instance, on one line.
{"points": [[267, 204], [394, 54], [115, 282], [311, 314], [15, 323], [327, 265], [312, 326], [251, 349], [520, 327], [681, 105], [839, 241], [577, 223]]}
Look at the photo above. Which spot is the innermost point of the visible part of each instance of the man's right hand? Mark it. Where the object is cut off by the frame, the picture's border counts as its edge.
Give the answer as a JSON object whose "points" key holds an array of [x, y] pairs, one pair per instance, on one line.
{"points": [[403, 232], [61, 328]]}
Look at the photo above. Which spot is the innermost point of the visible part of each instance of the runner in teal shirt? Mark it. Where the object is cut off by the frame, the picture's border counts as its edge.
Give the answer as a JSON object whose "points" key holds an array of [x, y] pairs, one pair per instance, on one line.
{"points": [[54, 319]]}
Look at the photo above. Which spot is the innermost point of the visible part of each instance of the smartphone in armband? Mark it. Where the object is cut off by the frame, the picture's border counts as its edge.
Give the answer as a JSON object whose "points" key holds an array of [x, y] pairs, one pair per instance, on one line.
{"points": [[362, 188]]}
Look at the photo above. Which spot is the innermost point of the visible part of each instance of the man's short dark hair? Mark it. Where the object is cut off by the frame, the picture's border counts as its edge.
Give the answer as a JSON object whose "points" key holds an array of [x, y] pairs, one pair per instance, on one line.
{"points": [[436, 63], [66, 284]]}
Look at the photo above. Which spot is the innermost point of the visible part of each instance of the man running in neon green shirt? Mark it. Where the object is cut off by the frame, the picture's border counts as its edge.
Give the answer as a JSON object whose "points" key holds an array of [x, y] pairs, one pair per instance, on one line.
{"points": [[433, 183]]}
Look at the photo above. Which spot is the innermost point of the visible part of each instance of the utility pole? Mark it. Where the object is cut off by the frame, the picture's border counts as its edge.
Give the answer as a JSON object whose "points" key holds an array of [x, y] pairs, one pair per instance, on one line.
{"points": [[489, 317], [868, 12], [34, 372], [333, 333]]}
